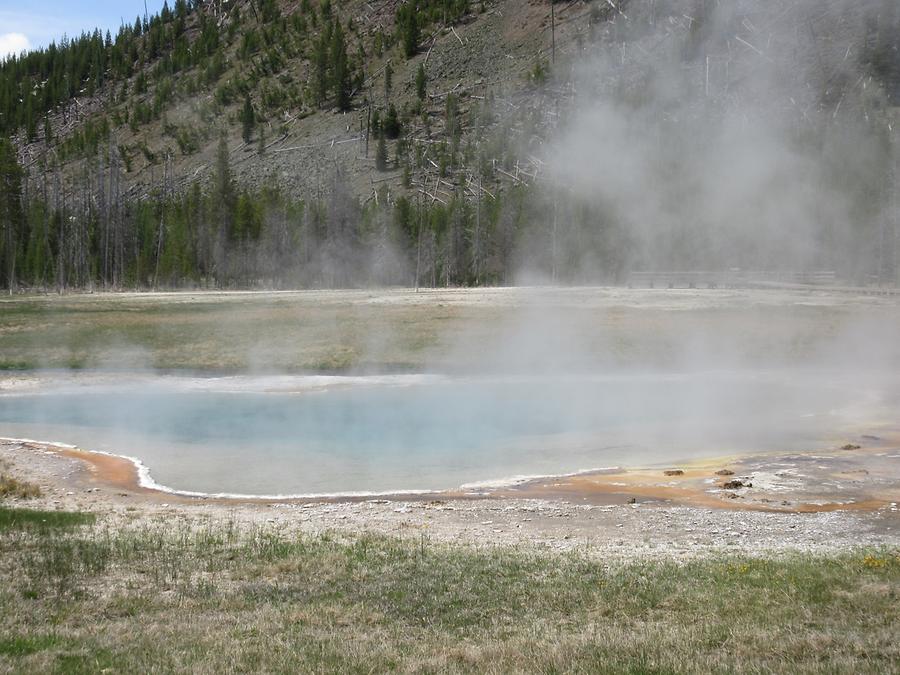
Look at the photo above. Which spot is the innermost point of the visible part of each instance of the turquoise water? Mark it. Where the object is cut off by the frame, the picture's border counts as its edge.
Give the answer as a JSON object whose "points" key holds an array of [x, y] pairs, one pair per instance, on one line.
{"points": [[343, 435]]}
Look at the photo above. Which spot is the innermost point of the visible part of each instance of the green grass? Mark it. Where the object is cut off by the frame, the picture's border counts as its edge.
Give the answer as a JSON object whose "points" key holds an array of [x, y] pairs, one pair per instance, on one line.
{"points": [[42, 521], [217, 598], [19, 646]]}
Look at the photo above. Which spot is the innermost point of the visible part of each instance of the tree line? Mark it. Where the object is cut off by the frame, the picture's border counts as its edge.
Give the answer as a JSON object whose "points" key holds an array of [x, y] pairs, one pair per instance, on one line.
{"points": [[89, 234], [224, 236]]}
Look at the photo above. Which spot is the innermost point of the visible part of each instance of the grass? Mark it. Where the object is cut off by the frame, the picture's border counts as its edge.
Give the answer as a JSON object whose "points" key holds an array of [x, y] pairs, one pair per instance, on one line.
{"points": [[33, 519], [19, 646], [17, 489], [210, 598], [334, 331], [285, 333]]}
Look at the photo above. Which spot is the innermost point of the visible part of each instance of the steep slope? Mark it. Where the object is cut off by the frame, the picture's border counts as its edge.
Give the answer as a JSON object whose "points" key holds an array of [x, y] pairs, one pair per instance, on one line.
{"points": [[164, 117]]}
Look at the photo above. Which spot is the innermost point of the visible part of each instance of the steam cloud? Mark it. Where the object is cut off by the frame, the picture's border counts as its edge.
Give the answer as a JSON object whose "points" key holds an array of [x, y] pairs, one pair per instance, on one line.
{"points": [[740, 134]]}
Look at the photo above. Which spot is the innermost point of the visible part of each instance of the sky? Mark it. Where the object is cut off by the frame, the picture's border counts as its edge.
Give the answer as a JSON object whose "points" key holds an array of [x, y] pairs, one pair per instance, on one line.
{"points": [[29, 25]]}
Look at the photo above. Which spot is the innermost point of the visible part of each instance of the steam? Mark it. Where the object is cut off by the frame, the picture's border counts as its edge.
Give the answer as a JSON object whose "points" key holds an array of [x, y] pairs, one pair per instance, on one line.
{"points": [[737, 135]]}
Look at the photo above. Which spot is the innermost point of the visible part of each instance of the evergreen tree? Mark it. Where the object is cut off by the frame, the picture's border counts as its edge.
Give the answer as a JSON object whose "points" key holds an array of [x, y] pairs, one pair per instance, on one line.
{"points": [[381, 154], [388, 82], [376, 122], [30, 118], [224, 202], [421, 81], [391, 123], [410, 30], [11, 213], [248, 119], [321, 67], [340, 68]]}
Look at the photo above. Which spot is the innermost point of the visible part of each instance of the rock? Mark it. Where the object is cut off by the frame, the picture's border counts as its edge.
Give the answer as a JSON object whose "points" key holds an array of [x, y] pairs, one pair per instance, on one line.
{"points": [[850, 446], [633, 500], [673, 472], [724, 472], [735, 484]]}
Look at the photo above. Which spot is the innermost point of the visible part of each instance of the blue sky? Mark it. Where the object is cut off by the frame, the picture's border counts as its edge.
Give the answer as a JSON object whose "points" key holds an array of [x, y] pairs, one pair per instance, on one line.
{"points": [[25, 24]]}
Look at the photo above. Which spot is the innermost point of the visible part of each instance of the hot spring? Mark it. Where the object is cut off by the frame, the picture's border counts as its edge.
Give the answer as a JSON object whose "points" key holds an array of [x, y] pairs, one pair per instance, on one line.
{"points": [[351, 435]]}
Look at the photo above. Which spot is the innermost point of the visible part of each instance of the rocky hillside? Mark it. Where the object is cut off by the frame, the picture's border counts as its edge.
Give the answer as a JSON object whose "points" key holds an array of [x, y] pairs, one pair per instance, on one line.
{"points": [[189, 74]]}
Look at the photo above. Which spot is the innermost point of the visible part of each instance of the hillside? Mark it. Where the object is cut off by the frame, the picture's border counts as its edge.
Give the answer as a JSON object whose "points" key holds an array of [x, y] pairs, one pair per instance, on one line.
{"points": [[166, 110], [268, 142]]}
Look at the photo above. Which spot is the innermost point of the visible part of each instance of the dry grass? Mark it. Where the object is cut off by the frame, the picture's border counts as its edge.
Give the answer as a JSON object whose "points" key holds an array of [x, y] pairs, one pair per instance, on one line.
{"points": [[389, 330], [232, 333], [213, 598], [11, 487]]}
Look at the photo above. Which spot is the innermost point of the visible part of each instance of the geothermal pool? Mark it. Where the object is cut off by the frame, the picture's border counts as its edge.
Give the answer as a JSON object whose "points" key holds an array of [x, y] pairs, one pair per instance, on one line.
{"points": [[280, 436]]}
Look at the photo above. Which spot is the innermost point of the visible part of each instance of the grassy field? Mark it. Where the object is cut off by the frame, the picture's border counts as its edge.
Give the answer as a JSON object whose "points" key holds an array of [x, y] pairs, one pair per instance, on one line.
{"points": [[79, 597], [242, 332], [334, 331]]}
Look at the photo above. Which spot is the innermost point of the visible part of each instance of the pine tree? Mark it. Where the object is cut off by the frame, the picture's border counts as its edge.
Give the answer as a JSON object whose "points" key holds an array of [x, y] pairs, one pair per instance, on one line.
{"points": [[410, 32], [340, 68], [392, 123], [30, 118], [381, 154], [224, 200], [376, 122], [421, 81], [388, 82], [248, 120], [11, 214], [321, 66]]}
